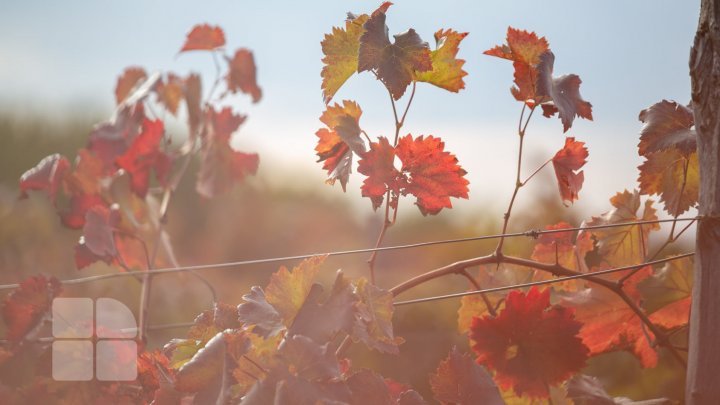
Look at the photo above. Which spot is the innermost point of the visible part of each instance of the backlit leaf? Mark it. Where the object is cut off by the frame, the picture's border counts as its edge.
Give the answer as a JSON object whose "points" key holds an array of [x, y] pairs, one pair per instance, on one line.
{"points": [[447, 72], [395, 63], [222, 166], [530, 344], [287, 290], [171, 92], [340, 49], [242, 74], [128, 80], [377, 165], [459, 380], [339, 140], [144, 155], [624, 245], [25, 307], [668, 144], [204, 37], [567, 163], [666, 294], [609, 324], [433, 175]]}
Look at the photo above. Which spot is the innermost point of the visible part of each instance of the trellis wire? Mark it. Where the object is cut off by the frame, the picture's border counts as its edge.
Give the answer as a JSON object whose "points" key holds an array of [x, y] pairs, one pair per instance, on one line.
{"points": [[534, 233]]}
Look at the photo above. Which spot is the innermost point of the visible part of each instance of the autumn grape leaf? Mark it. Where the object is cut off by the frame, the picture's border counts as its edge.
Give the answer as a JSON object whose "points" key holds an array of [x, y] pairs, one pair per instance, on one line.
{"points": [[47, 176], [490, 276], [428, 172], [534, 84], [530, 344], [222, 166], [395, 63], [523, 49], [209, 323], [143, 155], [377, 165], [257, 313], [447, 72], [668, 144], [110, 139], [374, 319], [25, 307], [459, 380], [667, 125], [560, 94], [339, 140], [204, 37], [666, 294], [171, 92], [242, 74], [608, 322], [128, 80], [567, 163], [624, 245], [320, 321], [340, 50], [562, 248], [288, 289], [433, 174]]}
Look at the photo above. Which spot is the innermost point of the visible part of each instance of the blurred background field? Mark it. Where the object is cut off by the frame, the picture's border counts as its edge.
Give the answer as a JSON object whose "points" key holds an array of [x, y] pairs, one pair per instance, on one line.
{"points": [[280, 217], [59, 62]]}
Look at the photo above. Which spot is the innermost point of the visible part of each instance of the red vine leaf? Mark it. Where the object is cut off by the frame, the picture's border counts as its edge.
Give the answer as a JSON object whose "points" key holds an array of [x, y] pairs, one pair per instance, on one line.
{"points": [[668, 144], [242, 74], [624, 245], [308, 359], [47, 176], [459, 380], [433, 175], [377, 165], [171, 92], [563, 249], [428, 172], [221, 165], [567, 163], [447, 72], [128, 80], [25, 307], [523, 49], [340, 50], [666, 294], [667, 125], [204, 37], [111, 139], [394, 63], [192, 92], [530, 344], [339, 140], [609, 324], [143, 155]]}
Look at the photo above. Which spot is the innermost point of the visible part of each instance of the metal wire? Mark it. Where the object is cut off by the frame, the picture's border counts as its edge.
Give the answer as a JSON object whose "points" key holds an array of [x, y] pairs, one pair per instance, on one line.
{"points": [[534, 233]]}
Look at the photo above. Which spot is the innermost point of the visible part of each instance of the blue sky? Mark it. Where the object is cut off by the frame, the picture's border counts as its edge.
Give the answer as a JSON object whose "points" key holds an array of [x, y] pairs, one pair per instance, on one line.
{"points": [[59, 55]]}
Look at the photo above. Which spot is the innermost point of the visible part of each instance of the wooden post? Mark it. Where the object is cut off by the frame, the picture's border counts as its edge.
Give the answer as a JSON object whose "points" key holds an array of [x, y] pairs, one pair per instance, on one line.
{"points": [[703, 375]]}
